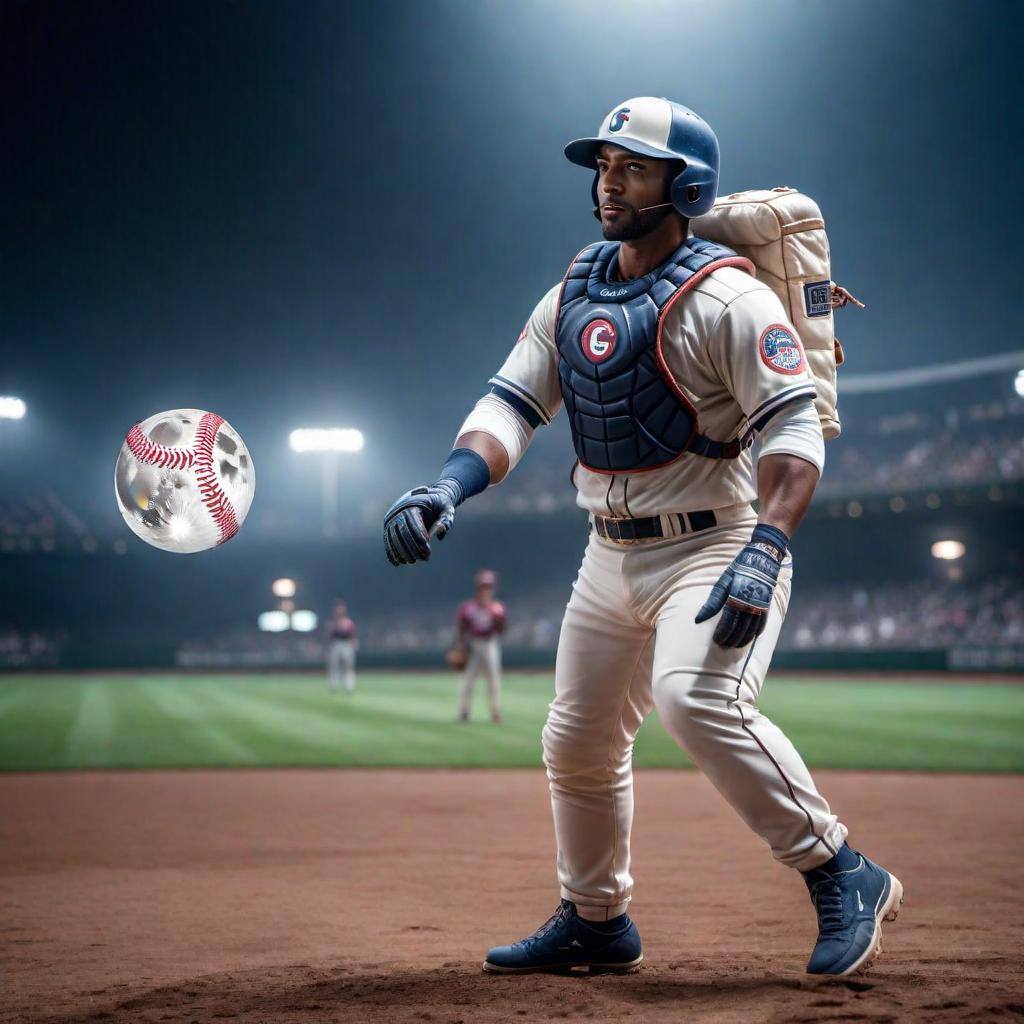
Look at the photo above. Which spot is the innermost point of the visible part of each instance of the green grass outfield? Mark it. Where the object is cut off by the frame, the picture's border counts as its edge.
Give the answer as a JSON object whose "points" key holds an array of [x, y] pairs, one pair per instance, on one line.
{"points": [[161, 721]]}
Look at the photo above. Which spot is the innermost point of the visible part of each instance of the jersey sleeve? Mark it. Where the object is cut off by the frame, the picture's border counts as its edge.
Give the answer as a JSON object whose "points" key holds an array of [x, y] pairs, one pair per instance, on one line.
{"points": [[528, 379], [759, 356], [498, 611]]}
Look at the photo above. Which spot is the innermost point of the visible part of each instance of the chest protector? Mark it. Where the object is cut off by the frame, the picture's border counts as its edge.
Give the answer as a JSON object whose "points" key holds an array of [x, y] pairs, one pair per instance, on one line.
{"points": [[626, 411]]}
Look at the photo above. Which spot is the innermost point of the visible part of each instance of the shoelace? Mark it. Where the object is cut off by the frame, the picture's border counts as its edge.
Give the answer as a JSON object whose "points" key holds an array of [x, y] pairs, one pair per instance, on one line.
{"points": [[828, 902], [550, 923]]}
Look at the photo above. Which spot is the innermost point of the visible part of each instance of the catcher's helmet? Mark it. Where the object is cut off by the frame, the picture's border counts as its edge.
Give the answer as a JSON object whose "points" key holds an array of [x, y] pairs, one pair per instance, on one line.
{"points": [[654, 126]]}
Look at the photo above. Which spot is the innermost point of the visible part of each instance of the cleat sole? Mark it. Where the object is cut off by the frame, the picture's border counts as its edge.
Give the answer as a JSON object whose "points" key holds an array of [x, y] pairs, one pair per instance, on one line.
{"points": [[889, 911], [625, 968]]}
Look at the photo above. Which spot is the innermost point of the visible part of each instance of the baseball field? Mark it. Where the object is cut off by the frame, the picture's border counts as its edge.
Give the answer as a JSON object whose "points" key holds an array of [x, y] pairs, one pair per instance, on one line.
{"points": [[192, 891], [408, 720]]}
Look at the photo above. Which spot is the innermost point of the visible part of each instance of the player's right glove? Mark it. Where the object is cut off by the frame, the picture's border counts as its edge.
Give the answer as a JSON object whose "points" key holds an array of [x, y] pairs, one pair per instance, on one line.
{"points": [[417, 514], [743, 593]]}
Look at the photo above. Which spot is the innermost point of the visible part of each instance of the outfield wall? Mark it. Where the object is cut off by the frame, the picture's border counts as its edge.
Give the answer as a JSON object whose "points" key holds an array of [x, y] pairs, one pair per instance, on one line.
{"points": [[139, 653]]}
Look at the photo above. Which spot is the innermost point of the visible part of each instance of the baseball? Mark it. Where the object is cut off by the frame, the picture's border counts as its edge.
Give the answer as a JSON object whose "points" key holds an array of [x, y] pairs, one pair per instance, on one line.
{"points": [[184, 480]]}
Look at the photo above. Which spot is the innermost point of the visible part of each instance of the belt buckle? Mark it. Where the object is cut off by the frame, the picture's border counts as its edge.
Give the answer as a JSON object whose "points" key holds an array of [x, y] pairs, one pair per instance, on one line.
{"points": [[615, 532]]}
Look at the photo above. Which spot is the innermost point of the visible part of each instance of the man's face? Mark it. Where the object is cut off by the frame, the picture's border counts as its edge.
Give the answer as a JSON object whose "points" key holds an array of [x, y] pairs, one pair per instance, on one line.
{"points": [[485, 592], [626, 184]]}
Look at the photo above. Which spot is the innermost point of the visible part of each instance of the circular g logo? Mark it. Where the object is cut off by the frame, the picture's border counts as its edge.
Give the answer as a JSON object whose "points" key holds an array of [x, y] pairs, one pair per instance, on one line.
{"points": [[619, 118], [598, 340]]}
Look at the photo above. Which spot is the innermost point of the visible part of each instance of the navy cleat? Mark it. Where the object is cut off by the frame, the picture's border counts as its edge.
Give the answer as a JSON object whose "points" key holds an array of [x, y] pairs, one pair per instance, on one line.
{"points": [[851, 907], [566, 941]]}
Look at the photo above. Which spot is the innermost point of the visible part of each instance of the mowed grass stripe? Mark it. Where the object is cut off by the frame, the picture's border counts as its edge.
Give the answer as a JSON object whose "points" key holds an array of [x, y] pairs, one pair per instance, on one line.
{"points": [[913, 726], [898, 726], [266, 715], [385, 727], [409, 719], [91, 733], [189, 707], [37, 720]]}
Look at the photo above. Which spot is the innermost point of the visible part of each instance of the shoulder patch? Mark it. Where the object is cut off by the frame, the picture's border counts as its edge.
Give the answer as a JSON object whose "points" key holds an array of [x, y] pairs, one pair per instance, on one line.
{"points": [[780, 351], [818, 298]]}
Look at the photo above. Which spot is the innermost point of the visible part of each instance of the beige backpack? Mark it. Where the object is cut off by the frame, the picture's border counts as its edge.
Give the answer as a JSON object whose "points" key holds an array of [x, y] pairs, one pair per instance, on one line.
{"points": [[781, 231]]}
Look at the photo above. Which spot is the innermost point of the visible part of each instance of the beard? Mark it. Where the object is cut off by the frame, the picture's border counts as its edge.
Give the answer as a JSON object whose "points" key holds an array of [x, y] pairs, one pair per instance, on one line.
{"points": [[633, 224]]}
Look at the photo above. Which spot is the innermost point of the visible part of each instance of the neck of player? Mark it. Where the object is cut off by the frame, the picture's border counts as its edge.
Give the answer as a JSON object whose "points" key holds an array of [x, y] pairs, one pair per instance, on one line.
{"points": [[640, 256]]}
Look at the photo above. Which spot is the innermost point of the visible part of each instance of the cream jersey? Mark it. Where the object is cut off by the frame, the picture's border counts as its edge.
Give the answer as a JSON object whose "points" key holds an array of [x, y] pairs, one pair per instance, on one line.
{"points": [[721, 345]]}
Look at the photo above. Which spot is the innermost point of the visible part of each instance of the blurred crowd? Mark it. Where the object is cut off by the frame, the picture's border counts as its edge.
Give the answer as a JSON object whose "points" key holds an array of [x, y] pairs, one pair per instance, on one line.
{"points": [[920, 616], [904, 455], [931, 448], [934, 462], [45, 522], [915, 616], [249, 648], [29, 649]]}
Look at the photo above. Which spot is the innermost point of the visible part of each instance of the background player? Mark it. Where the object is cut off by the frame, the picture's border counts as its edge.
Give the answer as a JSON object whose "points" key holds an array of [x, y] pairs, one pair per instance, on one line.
{"points": [[669, 357], [479, 623], [342, 645]]}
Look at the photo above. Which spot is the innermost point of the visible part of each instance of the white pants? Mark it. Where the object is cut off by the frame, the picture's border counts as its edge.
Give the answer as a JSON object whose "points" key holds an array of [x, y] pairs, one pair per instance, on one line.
{"points": [[341, 665], [629, 643], [485, 658]]}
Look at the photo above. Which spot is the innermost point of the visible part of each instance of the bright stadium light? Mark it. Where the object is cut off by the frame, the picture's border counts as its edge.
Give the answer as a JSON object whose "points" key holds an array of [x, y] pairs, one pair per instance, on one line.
{"points": [[326, 439], [948, 550], [329, 442], [283, 587], [273, 622], [304, 621], [11, 408], [1018, 383]]}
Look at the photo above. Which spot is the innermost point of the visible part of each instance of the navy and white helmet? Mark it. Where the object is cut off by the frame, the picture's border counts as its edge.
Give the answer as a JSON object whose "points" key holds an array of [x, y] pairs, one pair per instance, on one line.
{"points": [[654, 126]]}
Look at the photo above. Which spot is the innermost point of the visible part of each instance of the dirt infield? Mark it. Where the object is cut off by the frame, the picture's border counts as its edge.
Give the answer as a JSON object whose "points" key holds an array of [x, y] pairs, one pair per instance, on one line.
{"points": [[310, 896]]}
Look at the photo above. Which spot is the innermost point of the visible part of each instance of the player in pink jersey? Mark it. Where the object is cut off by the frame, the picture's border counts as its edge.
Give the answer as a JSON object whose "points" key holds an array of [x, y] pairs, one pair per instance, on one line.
{"points": [[479, 624], [341, 650]]}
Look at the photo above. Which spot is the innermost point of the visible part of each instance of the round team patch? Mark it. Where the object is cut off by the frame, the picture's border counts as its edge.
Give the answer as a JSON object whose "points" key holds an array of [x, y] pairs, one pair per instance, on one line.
{"points": [[780, 351], [598, 340]]}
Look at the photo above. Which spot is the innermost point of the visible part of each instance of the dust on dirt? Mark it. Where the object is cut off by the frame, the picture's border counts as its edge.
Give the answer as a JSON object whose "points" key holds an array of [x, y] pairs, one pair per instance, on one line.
{"points": [[314, 896]]}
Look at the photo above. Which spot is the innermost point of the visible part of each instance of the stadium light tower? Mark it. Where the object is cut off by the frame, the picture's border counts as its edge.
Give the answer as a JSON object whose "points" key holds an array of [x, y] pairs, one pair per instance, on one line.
{"points": [[948, 550], [12, 408], [329, 443]]}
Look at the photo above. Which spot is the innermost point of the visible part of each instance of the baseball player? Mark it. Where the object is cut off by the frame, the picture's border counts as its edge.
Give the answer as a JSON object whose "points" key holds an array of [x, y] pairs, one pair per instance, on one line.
{"points": [[479, 624], [342, 645], [669, 357]]}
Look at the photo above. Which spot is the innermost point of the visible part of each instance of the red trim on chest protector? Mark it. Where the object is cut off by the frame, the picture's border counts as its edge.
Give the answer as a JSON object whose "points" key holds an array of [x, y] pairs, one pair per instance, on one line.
{"points": [[729, 261]]}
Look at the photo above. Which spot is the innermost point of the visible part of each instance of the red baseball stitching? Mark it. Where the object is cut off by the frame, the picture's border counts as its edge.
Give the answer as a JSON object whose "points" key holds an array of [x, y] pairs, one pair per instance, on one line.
{"points": [[152, 454], [198, 458], [209, 487]]}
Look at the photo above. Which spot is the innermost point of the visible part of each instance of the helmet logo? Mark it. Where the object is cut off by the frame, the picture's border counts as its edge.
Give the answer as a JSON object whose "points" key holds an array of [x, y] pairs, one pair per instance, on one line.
{"points": [[598, 340], [619, 118]]}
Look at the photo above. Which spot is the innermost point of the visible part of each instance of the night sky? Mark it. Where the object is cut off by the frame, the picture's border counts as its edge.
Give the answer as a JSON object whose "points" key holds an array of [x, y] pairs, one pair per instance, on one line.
{"points": [[311, 213]]}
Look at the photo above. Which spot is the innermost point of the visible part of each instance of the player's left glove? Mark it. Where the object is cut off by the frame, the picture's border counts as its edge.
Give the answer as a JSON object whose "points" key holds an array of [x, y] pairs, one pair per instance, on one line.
{"points": [[745, 589], [417, 514]]}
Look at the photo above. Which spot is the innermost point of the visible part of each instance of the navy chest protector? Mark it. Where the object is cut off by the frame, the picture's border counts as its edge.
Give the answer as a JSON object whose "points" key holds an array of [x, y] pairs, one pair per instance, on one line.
{"points": [[625, 410]]}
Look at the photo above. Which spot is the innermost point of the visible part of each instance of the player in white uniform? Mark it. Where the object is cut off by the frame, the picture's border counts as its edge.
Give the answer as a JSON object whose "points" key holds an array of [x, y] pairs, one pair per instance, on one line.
{"points": [[342, 645], [479, 623], [669, 357]]}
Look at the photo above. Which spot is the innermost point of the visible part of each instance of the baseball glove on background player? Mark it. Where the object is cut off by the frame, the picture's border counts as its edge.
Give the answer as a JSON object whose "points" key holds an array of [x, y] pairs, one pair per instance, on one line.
{"points": [[456, 657]]}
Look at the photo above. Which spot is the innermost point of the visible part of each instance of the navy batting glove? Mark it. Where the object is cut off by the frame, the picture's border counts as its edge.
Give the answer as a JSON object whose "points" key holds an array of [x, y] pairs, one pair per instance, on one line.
{"points": [[743, 593], [410, 521], [423, 511]]}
